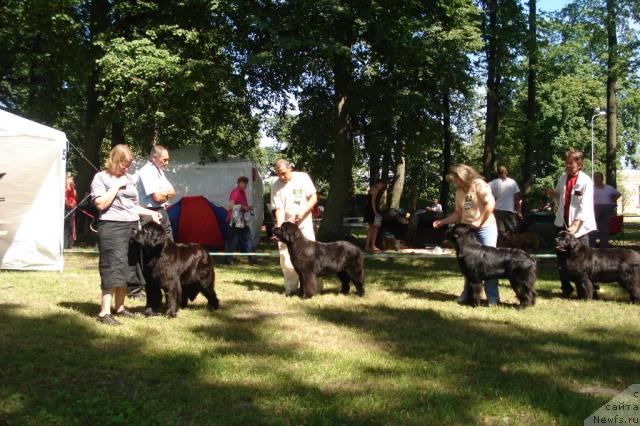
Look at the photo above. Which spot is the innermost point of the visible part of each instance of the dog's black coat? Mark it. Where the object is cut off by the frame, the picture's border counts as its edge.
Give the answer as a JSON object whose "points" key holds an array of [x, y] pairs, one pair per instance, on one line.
{"points": [[586, 266], [311, 259], [479, 263], [181, 270]]}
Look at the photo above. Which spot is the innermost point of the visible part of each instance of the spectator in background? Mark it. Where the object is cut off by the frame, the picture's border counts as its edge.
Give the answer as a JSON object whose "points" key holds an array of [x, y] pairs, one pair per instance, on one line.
{"points": [[293, 196], [239, 220], [435, 206], [508, 204], [574, 197], [474, 205], [372, 214], [70, 203], [603, 198], [114, 194]]}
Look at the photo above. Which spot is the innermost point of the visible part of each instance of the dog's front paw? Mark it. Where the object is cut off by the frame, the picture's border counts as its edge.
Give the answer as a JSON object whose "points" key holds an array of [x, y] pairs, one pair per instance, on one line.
{"points": [[171, 313]]}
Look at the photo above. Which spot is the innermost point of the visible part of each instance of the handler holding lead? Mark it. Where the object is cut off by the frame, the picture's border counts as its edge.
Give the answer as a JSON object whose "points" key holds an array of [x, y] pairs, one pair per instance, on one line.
{"points": [[574, 197], [114, 194], [154, 190], [474, 205], [293, 196]]}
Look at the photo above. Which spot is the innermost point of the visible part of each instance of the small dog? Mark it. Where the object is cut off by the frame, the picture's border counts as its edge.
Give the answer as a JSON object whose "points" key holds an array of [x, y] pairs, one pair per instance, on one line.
{"points": [[519, 240], [311, 259], [181, 270], [479, 263], [586, 266]]}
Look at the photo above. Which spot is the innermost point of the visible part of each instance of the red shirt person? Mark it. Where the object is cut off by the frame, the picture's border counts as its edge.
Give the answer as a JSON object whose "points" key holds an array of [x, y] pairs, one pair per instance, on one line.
{"points": [[239, 221], [70, 203]]}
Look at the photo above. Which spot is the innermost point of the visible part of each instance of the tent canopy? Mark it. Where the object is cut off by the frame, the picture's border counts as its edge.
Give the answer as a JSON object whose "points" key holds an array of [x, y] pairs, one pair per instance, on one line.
{"points": [[214, 181], [194, 219], [32, 178]]}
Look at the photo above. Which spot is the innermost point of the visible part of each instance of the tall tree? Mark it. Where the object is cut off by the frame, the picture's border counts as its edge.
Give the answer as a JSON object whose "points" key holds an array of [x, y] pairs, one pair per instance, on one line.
{"points": [[494, 75], [528, 163], [612, 79], [94, 127], [502, 29], [340, 183], [447, 144]]}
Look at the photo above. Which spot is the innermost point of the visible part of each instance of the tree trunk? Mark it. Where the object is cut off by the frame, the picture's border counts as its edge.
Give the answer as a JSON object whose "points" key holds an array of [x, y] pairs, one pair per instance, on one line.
{"points": [[489, 152], [446, 146], [413, 193], [385, 172], [374, 156], [331, 228], [398, 176], [94, 129], [117, 132], [612, 78], [532, 125]]}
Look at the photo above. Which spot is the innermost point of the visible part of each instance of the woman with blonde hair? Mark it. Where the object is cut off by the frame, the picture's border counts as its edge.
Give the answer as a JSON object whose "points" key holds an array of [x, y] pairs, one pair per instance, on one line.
{"points": [[115, 195], [474, 205]]}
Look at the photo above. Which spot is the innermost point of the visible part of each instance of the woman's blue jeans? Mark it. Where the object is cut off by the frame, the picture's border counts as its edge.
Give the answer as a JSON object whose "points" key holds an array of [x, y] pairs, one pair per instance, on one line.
{"points": [[488, 236]]}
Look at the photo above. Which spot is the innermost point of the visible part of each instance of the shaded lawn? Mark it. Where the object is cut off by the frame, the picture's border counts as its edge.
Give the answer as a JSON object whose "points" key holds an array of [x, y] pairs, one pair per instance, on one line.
{"points": [[406, 353]]}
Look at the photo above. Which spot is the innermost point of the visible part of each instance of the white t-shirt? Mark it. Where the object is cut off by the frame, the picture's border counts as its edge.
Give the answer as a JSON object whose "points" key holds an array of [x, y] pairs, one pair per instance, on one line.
{"points": [[504, 191], [604, 195], [292, 196], [151, 179]]}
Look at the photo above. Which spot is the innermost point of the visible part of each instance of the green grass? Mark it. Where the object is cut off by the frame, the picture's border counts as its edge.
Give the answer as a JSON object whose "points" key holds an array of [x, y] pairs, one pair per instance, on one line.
{"points": [[405, 354]]}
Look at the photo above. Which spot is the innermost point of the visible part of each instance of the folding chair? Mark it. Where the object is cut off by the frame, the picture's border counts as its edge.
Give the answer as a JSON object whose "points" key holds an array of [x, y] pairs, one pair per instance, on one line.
{"points": [[616, 230]]}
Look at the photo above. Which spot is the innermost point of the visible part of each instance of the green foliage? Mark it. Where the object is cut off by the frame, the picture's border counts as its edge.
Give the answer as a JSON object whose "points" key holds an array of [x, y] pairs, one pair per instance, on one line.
{"points": [[211, 73]]}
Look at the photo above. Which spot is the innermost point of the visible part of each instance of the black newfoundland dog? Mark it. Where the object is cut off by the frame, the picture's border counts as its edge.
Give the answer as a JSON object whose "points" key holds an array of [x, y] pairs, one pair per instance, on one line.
{"points": [[311, 259], [181, 270], [479, 263], [587, 266]]}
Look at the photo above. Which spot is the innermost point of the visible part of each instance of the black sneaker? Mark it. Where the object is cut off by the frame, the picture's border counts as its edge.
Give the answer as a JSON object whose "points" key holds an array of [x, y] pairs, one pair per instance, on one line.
{"points": [[137, 295], [108, 319]]}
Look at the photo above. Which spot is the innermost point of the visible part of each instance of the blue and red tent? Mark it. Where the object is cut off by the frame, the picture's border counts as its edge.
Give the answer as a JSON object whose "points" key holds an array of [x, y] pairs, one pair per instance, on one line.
{"points": [[195, 219]]}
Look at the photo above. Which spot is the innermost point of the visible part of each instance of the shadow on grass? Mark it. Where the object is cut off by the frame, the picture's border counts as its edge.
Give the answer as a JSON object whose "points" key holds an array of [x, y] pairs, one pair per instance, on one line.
{"points": [[488, 357], [58, 370], [438, 296], [85, 308], [253, 285]]}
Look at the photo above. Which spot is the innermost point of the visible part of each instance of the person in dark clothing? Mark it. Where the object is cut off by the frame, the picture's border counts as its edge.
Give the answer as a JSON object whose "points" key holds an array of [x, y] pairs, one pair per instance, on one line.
{"points": [[372, 214]]}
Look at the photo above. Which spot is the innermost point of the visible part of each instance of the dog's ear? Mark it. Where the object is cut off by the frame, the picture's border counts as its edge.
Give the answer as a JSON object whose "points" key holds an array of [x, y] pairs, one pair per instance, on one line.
{"points": [[155, 234], [291, 231], [452, 234]]}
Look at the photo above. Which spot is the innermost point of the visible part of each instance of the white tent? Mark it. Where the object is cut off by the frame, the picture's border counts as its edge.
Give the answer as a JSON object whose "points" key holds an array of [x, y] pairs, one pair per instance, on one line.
{"points": [[214, 180], [32, 178]]}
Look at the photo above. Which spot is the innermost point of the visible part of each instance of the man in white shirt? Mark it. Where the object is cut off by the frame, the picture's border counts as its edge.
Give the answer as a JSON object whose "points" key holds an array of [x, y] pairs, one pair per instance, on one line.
{"points": [[508, 204], [293, 196], [154, 190]]}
